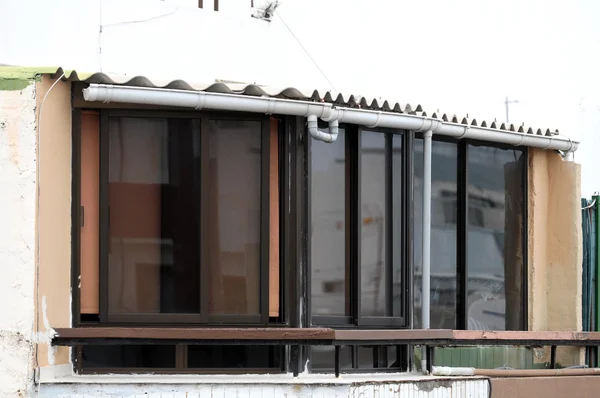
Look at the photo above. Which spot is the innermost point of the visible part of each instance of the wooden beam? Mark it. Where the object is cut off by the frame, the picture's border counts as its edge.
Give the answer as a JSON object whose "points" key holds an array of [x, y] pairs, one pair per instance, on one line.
{"points": [[195, 333], [393, 334], [507, 336]]}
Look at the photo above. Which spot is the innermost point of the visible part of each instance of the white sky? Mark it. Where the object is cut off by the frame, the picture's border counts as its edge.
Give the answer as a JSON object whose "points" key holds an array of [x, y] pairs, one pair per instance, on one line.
{"points": [[458, 56], [466, 56]]}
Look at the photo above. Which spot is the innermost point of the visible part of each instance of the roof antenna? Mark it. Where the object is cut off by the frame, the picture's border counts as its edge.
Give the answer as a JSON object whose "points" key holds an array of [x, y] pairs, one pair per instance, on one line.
{"points": [[265, 10]]}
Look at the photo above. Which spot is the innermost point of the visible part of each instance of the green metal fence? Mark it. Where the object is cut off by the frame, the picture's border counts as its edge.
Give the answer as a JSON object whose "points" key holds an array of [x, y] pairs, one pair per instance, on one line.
{"points": [[590, 223]]}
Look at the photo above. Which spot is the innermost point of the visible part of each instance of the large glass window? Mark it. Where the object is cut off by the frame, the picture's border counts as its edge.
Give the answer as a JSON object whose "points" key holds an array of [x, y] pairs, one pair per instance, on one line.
{"points": [[329, 272], [444, 216], [477, 236], [176, 212], [166, 253], [185, 218], [234, 217], [357, 209], [153, 253], [494, 239]]}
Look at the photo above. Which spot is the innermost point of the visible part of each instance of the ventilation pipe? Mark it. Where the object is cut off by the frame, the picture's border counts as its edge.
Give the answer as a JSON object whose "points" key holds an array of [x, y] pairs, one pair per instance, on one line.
{"points": [[244, 103], [313, 130]]}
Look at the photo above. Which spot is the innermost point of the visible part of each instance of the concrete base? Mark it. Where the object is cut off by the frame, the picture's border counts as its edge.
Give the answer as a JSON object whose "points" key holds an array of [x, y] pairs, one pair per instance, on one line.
{"points": [[327, 386]]}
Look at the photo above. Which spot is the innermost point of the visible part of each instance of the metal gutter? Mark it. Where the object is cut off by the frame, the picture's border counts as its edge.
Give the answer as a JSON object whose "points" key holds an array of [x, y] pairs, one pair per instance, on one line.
{"points": [[328, 112]]}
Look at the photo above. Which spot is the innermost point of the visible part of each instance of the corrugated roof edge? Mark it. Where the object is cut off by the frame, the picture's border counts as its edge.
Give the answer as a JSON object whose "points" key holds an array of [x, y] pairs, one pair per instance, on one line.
{"points": [[351, 101]]}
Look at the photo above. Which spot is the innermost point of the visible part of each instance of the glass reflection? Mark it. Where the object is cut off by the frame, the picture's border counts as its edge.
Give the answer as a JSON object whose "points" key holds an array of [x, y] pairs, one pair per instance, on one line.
{"points": [[443, 234], [494, 238], [373, 223], [234, 217], [329, 279], [153, 253]]}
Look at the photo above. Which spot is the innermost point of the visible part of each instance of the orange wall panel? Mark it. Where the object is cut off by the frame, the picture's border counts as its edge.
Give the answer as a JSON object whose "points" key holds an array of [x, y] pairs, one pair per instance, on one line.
{"points": [[274, 221], [90, 196]]}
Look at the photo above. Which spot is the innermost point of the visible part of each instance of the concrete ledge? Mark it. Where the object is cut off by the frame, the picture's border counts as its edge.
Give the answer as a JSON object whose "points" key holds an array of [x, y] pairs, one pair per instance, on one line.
{"points": [[389, 385]]}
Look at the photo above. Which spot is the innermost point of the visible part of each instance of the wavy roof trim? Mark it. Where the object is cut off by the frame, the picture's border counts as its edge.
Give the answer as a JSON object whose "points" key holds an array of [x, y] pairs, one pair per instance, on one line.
{"points": [[346, 100]]}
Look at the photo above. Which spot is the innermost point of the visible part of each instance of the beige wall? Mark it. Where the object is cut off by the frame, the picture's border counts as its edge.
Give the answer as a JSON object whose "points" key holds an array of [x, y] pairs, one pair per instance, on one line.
{"points": [[555, 247], [54, 229]]}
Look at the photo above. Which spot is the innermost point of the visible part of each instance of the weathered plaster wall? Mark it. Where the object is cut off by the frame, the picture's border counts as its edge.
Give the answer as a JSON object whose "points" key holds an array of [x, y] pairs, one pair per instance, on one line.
{"points": [[17, 234], [555, 247], [454, 388], [54, 308]]}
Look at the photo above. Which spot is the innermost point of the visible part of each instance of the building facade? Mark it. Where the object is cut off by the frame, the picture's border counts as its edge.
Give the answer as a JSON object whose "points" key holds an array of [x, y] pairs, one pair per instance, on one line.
{"points": [[165, 209]]}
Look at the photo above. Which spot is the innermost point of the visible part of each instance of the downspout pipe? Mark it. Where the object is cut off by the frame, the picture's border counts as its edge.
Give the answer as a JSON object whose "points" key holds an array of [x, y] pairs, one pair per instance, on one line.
{"points": [[327, 112], [426, 244], [313, 130]]}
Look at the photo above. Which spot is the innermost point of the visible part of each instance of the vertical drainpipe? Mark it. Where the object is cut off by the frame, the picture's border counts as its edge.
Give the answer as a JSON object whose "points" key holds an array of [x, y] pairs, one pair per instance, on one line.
{"points": [[426, 273]]}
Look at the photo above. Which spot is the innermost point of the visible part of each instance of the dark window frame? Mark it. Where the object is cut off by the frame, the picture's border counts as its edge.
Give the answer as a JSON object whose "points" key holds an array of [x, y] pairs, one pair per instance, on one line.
{"points": [[295, 272], [233, 320], [463, 224], [353, 137]]}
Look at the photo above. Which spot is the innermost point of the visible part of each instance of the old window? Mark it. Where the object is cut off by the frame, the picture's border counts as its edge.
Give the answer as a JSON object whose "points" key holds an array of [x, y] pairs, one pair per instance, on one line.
{"points": [[179, 225], [358, 206], [357, 213], [477, 234], [182, 219]]}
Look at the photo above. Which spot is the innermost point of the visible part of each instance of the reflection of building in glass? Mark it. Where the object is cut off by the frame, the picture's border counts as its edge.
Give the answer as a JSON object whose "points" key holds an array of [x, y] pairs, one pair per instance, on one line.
{"points": [[486, 215], [486, 233]]}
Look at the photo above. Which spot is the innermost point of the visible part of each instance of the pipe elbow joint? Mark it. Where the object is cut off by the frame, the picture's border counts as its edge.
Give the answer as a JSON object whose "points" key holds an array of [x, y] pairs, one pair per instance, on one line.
{"points": [[313, 130]]}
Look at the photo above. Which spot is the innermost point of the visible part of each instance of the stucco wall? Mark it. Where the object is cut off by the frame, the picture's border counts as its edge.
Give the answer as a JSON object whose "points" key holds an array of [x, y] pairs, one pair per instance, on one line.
{"points": [[17, 237], [555, 247], [55, 215]]}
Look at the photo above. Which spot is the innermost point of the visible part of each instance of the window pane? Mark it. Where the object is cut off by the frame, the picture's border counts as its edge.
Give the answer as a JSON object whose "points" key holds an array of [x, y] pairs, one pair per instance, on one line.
{"points": [[233, 357], [234, 217], [322, 358], [329, 281], [128, 356], [495, 281], [372, 221], [443, 234], [154, 233]]}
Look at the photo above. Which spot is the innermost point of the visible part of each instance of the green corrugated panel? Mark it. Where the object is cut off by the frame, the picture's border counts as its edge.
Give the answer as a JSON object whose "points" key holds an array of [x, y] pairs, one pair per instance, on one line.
{"points": [[485, 357]]}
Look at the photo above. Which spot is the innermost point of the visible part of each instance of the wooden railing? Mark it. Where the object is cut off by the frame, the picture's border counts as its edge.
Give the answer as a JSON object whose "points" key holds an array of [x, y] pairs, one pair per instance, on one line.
{"points": [[295, 337]]}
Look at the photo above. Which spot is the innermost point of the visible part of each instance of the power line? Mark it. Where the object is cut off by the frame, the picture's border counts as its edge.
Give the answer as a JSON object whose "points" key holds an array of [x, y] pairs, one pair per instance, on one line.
{"points": [[306, 51]]}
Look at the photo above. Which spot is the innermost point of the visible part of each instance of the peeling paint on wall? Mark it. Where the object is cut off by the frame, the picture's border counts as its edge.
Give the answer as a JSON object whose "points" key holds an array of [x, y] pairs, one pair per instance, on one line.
{"points": [[49, 333], [17, 237], [13, 84], [14, 78]]}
